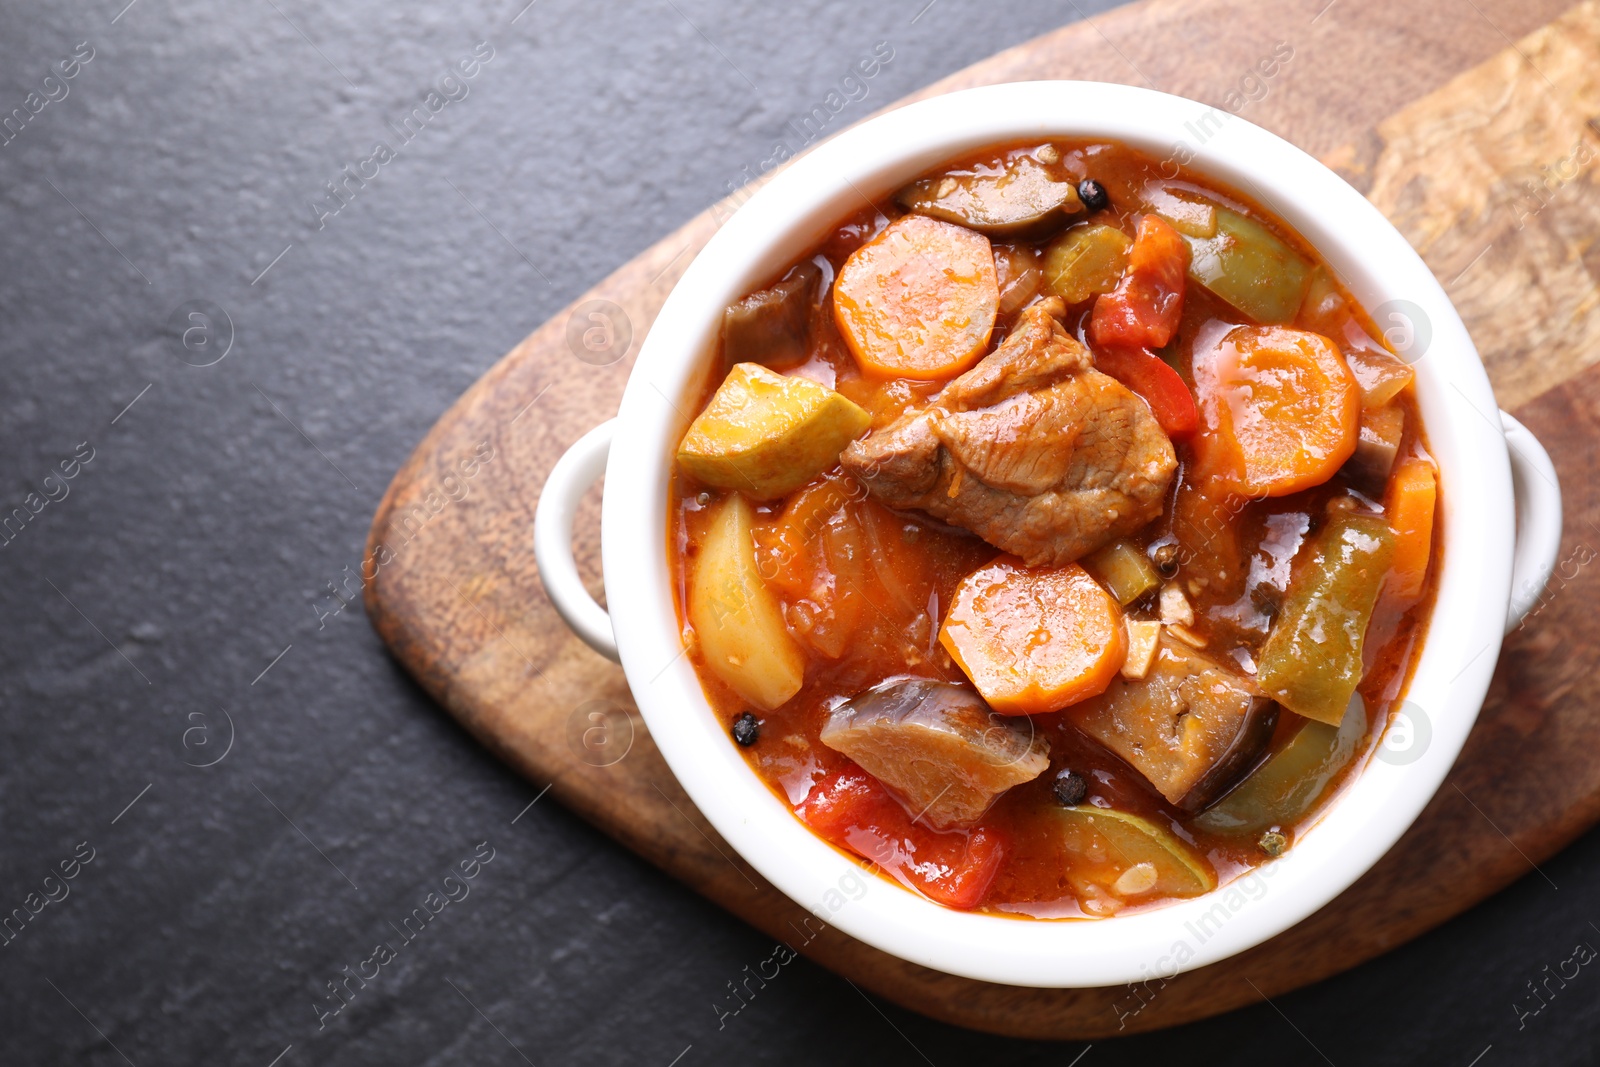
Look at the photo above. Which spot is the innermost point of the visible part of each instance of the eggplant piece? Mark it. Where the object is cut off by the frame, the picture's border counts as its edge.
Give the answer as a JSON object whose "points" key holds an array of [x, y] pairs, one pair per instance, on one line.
{"points": [[1021, 199], [1377, 445], [1288, 785], [773, 326], [1191, 726], [938, 747]]}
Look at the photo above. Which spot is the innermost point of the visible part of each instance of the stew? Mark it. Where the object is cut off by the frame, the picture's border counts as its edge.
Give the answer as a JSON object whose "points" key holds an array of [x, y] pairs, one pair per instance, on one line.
{"points": [[1058, 534]]}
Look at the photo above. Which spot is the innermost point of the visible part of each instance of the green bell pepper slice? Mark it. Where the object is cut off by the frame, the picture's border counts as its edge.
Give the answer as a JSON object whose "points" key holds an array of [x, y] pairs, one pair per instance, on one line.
{"points": [[1311, 662], [1284, 788]]}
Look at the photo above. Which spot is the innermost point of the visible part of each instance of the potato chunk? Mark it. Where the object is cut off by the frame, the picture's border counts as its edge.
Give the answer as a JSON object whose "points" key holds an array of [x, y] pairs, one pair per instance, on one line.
{"points": [[938, 746], [767, 434], [737, 620], [1191, 726]]}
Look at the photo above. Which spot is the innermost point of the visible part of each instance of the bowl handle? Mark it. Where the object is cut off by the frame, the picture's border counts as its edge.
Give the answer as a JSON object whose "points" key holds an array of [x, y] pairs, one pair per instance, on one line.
{"points": [[1533, 477], [577, 469], [1538, 501]]}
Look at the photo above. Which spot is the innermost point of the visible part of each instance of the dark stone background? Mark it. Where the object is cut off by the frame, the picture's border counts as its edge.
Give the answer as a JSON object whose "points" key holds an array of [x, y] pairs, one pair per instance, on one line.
{"points": [[192, 548]]}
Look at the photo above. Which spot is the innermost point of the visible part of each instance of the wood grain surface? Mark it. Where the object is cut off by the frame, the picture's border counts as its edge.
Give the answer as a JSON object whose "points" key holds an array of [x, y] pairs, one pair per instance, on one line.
{"points": [[1472, 125]]}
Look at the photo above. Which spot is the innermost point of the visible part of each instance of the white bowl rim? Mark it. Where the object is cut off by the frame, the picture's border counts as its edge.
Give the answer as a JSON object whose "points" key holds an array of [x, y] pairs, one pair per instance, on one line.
{"points": [[1451, 678]]}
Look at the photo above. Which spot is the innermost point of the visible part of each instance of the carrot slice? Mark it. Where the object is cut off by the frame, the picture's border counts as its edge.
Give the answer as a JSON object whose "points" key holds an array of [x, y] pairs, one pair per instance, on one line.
{"points": [[1034, 640], [918, 300], [1408, 504], [1279, 410], [1147, 304]]}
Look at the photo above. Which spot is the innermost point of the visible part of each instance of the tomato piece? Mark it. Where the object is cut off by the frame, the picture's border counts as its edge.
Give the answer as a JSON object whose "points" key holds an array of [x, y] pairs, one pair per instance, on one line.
{"points": [[853, 810], [1144, 309], [842, 801], [968, 882], [1161, 387]]}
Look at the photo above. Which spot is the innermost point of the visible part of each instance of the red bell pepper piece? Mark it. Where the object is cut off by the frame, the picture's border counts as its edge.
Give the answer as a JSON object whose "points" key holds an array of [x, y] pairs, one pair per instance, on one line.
{"points": [[853, 810], [1144, 309], [1162, 388]]}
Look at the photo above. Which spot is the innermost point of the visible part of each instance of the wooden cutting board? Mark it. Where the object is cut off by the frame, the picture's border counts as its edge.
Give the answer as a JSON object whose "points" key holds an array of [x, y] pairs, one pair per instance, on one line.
{"points": [[1472, 125]]}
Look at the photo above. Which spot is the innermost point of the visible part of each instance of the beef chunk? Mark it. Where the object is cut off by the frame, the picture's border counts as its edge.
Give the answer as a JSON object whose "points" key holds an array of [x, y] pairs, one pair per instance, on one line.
{"points": [[1033, 450]]}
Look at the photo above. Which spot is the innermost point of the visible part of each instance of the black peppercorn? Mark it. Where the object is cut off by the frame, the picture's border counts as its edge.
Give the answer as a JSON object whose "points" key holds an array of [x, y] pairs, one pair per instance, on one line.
{"points": [[1165, 557], [1070, 788], [746, 729], [1093, 195]]}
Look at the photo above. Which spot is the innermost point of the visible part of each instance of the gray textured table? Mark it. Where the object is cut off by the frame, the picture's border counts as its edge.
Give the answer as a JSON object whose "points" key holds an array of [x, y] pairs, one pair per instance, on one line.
{"points": [[244, 789]]}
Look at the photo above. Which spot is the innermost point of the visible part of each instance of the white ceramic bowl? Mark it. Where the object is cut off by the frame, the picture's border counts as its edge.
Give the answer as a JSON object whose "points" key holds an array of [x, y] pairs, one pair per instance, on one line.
{"points": [[1482, 549]]}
